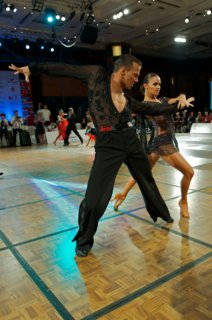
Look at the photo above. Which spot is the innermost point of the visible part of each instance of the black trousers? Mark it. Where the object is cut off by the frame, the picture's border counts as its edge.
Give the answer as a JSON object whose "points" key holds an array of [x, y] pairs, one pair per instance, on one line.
{"points": [[112, 149], [15, 131], [68, 132], [3, 132]]}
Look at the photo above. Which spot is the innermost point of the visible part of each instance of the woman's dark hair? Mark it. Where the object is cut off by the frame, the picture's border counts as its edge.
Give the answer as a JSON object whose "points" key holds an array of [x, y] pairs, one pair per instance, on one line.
{"points": [[126, 60], [147, 77]]}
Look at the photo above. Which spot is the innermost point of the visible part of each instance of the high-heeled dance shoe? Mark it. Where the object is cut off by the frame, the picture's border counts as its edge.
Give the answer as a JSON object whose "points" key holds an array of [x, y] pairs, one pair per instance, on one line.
{"points": [[119, 198], [184, 209]]}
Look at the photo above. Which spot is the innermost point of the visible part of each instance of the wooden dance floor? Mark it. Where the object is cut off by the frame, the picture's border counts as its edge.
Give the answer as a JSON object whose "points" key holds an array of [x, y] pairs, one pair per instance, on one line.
{"points": [[136, 269]]}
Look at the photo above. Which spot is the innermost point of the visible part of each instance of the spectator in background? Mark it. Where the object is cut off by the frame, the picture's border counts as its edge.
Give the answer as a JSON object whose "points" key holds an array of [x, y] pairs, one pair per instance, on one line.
{"points": [[190, 121], [71, 127], [206, 118], [16, 123], [84, 123], [40, 129], [30, 119], [198, 117], [178, 122], [46, 115], [3, 128]]}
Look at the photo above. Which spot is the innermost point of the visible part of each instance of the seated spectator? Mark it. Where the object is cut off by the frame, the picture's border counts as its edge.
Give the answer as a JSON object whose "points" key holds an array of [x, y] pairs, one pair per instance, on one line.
{"points": [[190, 121], [198, 117], [206, 118]]}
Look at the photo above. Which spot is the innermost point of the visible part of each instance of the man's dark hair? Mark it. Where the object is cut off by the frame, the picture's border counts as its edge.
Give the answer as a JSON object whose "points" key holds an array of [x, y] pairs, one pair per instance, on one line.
{"points": [[126, 60]]}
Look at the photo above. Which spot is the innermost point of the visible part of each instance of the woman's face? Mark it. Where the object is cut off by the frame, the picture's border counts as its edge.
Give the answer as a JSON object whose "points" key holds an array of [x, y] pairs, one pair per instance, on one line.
{"points": [[153, 86]]}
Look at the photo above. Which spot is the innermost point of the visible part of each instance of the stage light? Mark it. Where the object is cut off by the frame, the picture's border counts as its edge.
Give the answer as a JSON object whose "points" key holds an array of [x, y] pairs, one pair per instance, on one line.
{"points": [[50, 15], [126, 11], [208, 12], [187, 20], [180, 39], [7, 7]]}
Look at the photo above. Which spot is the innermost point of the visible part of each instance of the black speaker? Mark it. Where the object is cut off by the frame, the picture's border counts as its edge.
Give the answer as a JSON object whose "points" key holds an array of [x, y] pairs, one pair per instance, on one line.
{"points": [[89, 34]]}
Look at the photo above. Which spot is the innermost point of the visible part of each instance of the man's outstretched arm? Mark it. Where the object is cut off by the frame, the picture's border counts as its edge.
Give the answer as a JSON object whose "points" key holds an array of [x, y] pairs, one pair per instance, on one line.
{"points": [[84, 73]]}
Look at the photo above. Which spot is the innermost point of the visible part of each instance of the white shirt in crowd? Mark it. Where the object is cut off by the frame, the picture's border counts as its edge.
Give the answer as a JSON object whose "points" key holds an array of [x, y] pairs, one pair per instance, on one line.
{"points": [[46, 114], [16, 122]]}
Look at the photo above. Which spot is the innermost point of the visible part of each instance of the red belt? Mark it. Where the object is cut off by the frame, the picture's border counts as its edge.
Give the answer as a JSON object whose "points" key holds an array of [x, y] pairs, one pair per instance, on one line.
{"points": [[106, 128]]}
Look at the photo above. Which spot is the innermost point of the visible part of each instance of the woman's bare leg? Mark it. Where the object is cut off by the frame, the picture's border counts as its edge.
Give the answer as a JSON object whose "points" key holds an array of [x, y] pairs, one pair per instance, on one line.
{"points": [[56, 139], [120, 197], [177, 161]]}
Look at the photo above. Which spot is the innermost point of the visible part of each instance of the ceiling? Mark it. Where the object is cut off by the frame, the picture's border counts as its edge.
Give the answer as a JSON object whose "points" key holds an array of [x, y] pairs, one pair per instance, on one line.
{"points": [[136, 30]]}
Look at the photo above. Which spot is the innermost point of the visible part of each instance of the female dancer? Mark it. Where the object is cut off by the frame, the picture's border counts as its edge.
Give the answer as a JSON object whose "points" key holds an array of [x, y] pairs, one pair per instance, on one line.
{"points": [[162, 144], [62, 124]]}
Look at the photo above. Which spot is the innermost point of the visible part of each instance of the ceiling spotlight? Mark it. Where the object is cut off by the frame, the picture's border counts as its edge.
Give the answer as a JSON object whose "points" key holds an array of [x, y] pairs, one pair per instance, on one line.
{"points": [[50, 15], [8, 8], [126, 11], [180, 39], [187, 20], [208, 12]]}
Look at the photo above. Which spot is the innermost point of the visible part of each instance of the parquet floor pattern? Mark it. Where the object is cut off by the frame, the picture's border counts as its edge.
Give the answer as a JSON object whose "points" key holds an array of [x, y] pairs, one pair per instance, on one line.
{"points": [[137, 270]]}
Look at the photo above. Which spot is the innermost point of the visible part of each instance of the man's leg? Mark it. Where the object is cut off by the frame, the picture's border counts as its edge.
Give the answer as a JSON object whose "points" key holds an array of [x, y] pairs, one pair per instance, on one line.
{"points": [[99, 191], [68, 131], [77, 134], [140, 169]]}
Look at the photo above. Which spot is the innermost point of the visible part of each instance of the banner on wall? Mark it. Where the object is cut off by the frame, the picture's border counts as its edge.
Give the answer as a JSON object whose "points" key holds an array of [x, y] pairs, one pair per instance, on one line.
{"points": [[15, 94]]}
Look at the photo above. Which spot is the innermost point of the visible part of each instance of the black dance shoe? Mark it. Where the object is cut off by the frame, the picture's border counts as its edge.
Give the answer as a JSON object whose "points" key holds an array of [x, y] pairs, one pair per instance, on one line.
{"points": [[81, 252], [169, 220]]}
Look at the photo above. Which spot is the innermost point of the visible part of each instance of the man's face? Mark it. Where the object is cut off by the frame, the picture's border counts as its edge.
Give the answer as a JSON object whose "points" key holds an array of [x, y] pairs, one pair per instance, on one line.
{"points": [[130, 76]]}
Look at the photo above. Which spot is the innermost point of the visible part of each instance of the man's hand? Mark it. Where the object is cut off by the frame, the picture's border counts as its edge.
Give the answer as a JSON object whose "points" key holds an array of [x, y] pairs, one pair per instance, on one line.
{"points": [[24, 70]]}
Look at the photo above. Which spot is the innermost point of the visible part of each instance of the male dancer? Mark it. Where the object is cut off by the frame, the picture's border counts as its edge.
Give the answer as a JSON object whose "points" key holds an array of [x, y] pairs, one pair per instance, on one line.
{"points": [[71, 127], [116, 139]]}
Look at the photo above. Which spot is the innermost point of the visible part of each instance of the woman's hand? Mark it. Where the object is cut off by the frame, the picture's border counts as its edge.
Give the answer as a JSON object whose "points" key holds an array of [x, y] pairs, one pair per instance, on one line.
{"points": [[183, 102], [24, 70], [189, 100]]}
